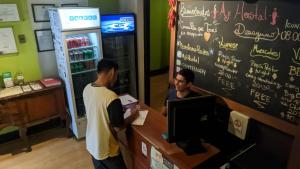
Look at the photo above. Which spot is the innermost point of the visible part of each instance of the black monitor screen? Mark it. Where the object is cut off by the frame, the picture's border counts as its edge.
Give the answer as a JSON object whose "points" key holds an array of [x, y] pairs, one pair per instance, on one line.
{"points": [[188, 118]]}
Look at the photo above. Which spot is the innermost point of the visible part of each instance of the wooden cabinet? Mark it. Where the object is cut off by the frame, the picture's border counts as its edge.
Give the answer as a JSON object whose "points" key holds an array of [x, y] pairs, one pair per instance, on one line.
{"points": [[35, 107]]}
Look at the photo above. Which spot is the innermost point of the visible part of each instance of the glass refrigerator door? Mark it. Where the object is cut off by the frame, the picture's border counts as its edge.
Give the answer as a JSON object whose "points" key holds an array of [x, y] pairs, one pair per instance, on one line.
{"points": [[83, 53], [121, 49]]}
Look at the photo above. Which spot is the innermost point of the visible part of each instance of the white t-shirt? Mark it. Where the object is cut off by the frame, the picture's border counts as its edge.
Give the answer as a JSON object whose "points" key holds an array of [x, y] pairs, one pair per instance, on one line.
{"points": [[100, 141]]}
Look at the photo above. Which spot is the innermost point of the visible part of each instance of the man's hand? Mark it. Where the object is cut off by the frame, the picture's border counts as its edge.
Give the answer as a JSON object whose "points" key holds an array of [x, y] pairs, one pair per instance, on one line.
{"points": [[135, 112], [164, 111], [133, 116]]}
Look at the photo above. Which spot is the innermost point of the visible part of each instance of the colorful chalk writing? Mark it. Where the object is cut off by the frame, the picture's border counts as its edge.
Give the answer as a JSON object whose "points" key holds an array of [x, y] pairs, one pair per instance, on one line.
{"points": [[247, 52], [242, 32], [265, 53]]}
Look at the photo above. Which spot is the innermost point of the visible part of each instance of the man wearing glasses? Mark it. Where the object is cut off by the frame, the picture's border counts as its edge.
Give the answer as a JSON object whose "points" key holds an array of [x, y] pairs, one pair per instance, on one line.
{"points": [[182, 87]]}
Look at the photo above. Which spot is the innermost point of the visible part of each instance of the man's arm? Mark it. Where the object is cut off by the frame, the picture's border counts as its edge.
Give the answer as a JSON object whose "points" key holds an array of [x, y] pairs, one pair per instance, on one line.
{"points": [[116, 115]]}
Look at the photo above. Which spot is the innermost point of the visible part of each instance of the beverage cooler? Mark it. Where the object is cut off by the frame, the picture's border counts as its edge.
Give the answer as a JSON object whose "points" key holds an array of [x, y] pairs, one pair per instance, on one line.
{"points": [[77, 42], [119, 44]]}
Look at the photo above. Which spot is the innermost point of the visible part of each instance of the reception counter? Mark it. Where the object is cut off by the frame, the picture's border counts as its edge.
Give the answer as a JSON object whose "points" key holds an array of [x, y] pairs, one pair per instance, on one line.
{"points": [[144, 139]]}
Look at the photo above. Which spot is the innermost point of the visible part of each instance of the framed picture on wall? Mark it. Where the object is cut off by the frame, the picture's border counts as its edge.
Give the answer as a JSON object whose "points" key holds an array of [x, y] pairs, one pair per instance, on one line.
{"points": [[7, 41], [40, 12], [9, 12], [69, 5], [44, 40]]}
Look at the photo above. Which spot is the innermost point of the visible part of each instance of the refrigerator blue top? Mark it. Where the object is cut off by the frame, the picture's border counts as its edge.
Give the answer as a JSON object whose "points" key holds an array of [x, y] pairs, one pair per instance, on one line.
{"points": [[78, 18], [118, 23]]}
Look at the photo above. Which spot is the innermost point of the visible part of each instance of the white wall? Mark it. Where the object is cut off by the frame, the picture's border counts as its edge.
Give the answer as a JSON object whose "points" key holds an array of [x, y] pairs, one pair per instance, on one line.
{"points": [[137, 7]]}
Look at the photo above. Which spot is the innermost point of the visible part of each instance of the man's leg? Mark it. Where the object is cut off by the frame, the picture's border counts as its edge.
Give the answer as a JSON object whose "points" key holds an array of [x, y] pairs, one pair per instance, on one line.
{"points": [[98, 164], [116, 162]]}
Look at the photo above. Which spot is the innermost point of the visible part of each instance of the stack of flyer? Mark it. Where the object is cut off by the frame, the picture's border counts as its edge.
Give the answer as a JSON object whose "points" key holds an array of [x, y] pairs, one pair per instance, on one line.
{"points": [[49, 82], [127, 99]]}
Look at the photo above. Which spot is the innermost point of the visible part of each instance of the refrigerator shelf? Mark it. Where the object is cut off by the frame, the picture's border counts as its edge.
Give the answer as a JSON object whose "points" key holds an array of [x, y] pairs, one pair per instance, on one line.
{"points": [[85, 71], [83, 60], [82, 47]]}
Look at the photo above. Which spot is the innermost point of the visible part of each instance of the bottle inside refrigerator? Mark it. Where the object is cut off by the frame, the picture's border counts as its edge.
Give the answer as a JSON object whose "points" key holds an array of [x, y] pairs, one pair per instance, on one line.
{"points": [[77, 42]]}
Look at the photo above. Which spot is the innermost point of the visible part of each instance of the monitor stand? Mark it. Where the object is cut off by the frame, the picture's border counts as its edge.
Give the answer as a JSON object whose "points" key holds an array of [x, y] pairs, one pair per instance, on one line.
{"points": [[191, 147]]}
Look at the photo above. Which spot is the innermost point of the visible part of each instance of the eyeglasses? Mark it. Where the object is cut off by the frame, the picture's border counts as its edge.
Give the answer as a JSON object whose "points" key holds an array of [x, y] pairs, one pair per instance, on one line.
{"points": [[179, 80]]}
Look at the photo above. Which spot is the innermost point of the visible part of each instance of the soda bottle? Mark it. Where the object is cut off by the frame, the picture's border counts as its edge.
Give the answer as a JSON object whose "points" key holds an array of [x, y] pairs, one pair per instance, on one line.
{"points": [[85, 54], [91, 54], [71, 54], [72, 43], [77, 43], [75, 55], [72, 68], [82, 41], [80, 54], [81, 67], [86, 40], [76, 67]]}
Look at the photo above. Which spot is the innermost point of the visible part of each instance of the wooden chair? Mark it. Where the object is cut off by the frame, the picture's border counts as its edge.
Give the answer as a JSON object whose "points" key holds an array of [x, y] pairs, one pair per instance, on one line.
{"points": [[11, 114]]}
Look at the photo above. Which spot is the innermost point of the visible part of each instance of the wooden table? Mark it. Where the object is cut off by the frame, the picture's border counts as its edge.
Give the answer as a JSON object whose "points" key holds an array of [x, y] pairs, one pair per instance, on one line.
{"points": [[150, 134], [30, 108]]}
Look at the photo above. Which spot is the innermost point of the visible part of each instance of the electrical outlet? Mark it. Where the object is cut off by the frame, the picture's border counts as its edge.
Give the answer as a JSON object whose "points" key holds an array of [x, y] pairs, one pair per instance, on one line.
{"points": [[238, 124], [22, 38], [144, 149]]}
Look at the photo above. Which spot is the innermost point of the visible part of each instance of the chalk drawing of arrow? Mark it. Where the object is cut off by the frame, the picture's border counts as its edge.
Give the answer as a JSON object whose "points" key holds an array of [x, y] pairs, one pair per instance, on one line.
{"points": [[260, 104]]}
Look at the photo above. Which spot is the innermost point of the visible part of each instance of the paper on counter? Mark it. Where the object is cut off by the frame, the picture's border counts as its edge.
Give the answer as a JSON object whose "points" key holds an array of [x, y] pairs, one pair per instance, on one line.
{"points": [[141, 118], [127, 99]]}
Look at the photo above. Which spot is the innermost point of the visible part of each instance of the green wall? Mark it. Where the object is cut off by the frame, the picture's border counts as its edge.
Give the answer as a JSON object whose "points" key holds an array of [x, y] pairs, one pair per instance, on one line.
{"points": [[159, 34], [26, 60], [106, 6]]}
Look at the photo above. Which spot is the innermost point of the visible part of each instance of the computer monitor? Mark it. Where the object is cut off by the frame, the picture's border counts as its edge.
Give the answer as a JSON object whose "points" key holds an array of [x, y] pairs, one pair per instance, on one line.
{"points": [[188, 121]]}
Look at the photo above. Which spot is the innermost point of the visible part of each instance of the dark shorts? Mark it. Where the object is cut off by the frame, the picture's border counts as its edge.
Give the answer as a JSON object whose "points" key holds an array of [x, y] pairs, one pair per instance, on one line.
{"points": [[116, 162]]}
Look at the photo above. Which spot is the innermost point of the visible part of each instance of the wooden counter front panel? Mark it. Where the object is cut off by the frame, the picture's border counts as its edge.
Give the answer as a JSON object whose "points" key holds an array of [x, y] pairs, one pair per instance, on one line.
{"points": [[45, 104], [150, 133], [139, 160]]}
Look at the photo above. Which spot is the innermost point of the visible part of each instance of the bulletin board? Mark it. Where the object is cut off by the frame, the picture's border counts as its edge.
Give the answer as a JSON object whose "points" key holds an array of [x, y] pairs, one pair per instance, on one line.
{"points": [[7, 41]]}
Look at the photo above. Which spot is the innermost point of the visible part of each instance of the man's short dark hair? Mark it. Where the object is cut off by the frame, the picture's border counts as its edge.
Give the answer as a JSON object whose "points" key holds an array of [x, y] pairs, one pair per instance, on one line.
{"points": [[105, 65], [188, 75]]}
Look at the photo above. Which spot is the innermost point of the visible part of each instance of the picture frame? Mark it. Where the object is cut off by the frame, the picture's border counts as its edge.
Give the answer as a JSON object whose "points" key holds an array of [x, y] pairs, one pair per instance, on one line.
{"points": [[40, 12], [9, 13], [7, 41], [44, 40], [69, 5]]}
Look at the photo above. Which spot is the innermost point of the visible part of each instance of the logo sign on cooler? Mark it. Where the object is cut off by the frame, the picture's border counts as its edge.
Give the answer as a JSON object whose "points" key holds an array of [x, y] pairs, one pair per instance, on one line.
{"points": [[79, 18]]}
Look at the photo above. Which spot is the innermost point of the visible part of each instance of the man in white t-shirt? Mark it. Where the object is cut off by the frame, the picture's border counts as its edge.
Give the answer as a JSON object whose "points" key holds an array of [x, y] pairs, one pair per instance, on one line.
{"points": [[105, 118]]}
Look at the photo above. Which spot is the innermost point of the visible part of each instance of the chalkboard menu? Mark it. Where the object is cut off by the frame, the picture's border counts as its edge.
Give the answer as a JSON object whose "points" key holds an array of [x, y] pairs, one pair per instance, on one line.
{"points": [[247, 52]]}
